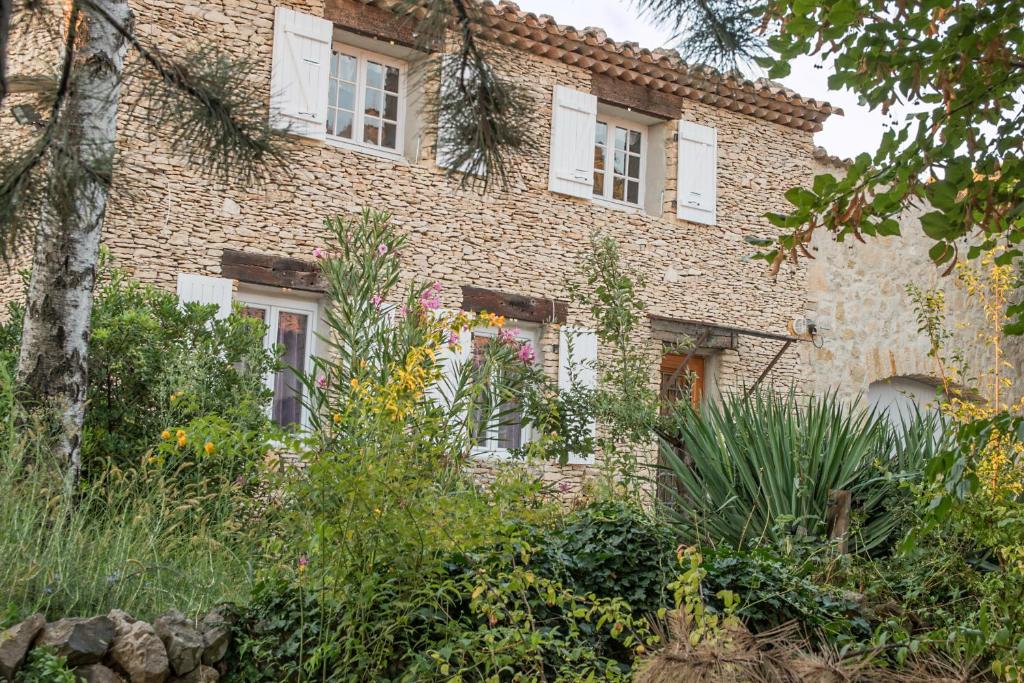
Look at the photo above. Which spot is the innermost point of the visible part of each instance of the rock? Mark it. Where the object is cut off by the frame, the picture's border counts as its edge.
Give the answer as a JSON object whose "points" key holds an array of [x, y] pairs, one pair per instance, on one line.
{"points": [[97, 673], [137, 650], [216, 628], [15, 642], [203, 674], [80, 641], [183, 642]]}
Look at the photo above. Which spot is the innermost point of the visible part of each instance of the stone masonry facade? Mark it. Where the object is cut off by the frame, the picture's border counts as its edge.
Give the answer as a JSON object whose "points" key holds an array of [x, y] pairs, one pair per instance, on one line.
{"points": [[166, 218]]}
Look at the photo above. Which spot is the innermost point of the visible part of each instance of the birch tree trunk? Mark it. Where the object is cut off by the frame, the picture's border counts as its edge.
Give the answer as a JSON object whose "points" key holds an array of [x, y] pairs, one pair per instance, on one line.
{"points": [[53, 365]]}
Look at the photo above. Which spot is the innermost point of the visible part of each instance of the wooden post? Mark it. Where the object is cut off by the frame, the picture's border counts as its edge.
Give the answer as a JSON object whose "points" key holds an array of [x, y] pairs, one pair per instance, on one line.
{"points": [[838, 517]]}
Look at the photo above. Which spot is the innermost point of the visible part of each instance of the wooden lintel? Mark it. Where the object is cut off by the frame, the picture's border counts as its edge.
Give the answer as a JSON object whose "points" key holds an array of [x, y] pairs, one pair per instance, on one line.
{"points": [[514, 306], [639, 98], [272, 271], [372, 22], [705, 336]]}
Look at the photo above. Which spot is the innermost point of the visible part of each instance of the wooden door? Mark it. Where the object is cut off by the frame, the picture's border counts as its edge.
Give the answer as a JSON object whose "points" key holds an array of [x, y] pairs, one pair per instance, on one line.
{"points": [[677, 383]]}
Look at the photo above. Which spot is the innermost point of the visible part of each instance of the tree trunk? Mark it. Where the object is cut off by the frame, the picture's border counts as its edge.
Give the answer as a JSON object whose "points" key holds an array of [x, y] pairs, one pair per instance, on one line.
{"points": [[52, 368]]}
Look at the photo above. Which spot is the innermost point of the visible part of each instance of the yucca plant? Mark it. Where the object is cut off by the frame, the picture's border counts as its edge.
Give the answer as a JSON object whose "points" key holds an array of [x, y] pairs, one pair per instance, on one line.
{"points": [[759, 469]]}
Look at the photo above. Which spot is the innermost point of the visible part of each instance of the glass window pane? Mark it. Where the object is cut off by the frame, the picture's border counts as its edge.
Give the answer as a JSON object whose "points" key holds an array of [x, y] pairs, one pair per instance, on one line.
{"points": [[374, 103], [634, 166], [390, 139], [391, 107], [292, 332], [372, 130], [374, 75], [347, 97], [634, 142], [330, 120], [599, 184], [601, 136], [255, 312], [620, 138], [510, 427], [391, 79], [618, 188], [620, 163], [348, 68], [343, 125], [599, 155], [332, 92], [633, 192]]}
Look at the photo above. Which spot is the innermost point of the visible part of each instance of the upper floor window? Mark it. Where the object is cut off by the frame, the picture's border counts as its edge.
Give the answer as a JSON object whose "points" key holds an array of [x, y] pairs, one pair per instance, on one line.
{"points": [[365, 99], [619, 150]]}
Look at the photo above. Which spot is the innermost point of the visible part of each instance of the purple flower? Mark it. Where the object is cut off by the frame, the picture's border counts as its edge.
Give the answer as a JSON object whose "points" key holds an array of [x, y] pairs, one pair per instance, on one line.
{"points": [[526, 354], [563, 487], [453, 338], [303, 562], [318, 253], [321, 382], [382, 249], [436, 286]]}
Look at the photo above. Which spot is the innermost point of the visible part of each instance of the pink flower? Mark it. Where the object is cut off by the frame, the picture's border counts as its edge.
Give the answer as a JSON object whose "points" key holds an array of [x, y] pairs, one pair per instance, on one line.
{"points": [[303, 562], [318, 253], [376, 300], [382, 249], [453, 338], [436, 286], [429, 300], [508, 335], [526, 354], [563, 487], [402, 310], [321, 382]]}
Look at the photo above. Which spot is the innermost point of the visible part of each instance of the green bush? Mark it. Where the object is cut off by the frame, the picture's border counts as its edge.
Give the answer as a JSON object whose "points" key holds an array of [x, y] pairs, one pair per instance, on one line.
{"points": [[43, 665], [759, 470], [154, 366]]}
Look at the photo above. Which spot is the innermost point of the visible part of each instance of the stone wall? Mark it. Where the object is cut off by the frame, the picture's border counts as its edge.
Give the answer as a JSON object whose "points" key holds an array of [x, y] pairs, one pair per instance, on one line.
{"points": [[166, 218], [857, 294]]}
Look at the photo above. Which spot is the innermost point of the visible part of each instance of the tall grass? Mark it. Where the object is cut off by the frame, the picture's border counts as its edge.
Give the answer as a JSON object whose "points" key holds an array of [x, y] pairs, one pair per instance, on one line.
{"points": [[133, 540]]}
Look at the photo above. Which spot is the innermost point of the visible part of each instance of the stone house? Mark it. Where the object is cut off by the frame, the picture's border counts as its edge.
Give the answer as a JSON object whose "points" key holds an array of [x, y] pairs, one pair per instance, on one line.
{"points": [[677, 164]]}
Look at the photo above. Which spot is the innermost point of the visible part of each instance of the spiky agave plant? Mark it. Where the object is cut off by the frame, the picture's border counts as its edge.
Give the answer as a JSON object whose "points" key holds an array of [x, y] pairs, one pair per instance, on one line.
{"points": [[759, 469]]}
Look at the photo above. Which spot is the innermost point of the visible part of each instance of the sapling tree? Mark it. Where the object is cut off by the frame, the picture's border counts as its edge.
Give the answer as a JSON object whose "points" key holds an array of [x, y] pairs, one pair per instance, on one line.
{"points": [[55, 181]]}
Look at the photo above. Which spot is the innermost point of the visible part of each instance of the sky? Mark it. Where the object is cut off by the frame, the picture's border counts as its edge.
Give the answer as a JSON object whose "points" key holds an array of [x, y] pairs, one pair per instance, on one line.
{"points": [[845, 136]]}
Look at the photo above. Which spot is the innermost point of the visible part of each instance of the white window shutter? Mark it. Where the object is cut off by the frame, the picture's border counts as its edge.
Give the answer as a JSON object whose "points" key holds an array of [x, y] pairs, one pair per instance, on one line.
{"points": [[697, 179], [206, 290], [300, 73], [573, 124], [577, 353], [451, 360]]}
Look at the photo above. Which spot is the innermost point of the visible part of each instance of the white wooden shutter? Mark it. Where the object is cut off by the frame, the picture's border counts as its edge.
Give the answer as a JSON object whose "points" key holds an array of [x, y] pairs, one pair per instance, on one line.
{"points": [[300, 73], [451, 361], [573, 124], [206, 290], [577, 353], [698, 173]]}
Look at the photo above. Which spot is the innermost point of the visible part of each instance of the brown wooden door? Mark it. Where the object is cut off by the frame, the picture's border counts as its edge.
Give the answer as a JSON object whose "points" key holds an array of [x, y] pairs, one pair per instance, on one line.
{"points": [[677, 383]]}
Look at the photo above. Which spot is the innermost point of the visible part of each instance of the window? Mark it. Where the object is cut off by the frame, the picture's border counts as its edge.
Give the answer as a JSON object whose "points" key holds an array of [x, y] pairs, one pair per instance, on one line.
{"points": [[508, 432], [365, 99], [619, 151], [291, 324]]}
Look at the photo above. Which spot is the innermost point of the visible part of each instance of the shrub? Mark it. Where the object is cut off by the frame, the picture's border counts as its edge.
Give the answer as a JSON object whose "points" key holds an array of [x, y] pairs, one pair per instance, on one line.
{"points": [[760, 469], [43, 665], [154, 366]]}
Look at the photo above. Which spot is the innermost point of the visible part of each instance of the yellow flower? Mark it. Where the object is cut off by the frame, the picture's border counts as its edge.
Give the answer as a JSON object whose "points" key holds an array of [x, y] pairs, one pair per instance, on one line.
{"points": [[180, 433], [376, 511], [165, 435], [174, 397], [336, 417], [208, 447], [151, 459], [354, 382], [182, 440]]}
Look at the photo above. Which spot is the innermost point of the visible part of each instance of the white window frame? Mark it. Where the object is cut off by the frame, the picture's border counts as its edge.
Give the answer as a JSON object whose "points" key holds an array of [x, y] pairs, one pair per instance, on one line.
{"points": [[283, 303], [613, 122], [489, 449], [356, 143]]}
